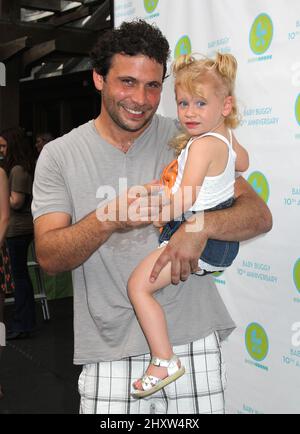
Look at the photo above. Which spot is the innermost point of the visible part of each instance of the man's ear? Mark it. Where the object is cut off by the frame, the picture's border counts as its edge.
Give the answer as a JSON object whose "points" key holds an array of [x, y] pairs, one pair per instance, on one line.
{"points": [[98, 80], [228, 104]]}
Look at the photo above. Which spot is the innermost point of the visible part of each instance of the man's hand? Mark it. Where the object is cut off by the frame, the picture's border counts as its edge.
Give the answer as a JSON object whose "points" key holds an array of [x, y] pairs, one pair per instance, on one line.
{"points": [[138, 206], [183, 251], [62, 246]]}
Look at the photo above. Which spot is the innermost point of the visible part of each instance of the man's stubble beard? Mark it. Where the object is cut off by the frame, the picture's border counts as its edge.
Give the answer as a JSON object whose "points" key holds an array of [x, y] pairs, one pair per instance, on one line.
{"points": [[112, 112]]}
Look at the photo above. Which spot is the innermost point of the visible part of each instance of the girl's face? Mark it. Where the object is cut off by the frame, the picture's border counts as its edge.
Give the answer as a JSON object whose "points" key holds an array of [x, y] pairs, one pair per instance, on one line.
{"points": [[3, 147], [201, 114]]}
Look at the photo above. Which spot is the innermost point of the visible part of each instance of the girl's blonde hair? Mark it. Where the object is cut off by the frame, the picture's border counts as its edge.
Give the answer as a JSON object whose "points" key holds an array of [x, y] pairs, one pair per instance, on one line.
{"points": [[190, 73]]}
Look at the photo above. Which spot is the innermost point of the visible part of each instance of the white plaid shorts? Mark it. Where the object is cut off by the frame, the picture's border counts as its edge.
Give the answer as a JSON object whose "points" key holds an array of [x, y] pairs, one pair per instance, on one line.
{"points": [[105, 387]]}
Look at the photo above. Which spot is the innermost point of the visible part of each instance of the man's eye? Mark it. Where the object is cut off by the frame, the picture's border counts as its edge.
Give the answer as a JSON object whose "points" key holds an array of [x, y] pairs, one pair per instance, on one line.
{"points": [[127, 82], [154, 85]]}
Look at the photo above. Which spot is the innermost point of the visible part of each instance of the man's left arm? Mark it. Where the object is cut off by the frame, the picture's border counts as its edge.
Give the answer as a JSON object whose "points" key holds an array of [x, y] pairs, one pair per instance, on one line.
{"points": [[247, 218]]}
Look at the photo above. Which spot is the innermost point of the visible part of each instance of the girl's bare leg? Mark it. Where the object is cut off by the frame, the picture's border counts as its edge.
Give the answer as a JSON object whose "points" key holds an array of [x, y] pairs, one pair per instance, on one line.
{"points": [[149, 312]]}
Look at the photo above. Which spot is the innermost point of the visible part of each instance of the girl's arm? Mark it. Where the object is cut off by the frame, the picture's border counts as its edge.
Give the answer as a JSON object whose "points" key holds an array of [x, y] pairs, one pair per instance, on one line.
{"points": [[247, 218], [242, 156], [4, 205], [200, 156]]}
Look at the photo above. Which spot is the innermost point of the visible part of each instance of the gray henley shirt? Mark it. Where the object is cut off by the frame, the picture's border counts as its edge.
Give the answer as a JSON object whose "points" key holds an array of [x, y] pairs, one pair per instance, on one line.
{"points": [[71, 175]]}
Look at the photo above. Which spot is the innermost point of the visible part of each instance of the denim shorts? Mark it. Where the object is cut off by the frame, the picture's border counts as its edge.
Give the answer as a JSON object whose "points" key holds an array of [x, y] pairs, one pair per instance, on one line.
{"points": [[217, 253]]}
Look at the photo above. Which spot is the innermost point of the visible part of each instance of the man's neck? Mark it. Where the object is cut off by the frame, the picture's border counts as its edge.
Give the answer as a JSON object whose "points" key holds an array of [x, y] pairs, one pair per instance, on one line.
{"points": [[114, 135]]}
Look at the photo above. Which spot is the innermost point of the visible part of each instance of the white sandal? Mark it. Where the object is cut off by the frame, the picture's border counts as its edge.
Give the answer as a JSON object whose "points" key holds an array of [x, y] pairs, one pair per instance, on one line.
{"points": [[151, 384]]}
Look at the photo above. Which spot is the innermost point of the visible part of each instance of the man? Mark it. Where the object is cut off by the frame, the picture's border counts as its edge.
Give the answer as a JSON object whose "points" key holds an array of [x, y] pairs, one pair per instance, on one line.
{"points": [[125, 146]]}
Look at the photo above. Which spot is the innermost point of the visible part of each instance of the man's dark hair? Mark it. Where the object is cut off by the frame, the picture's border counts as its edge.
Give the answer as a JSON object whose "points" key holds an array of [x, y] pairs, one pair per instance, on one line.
{"points": [[131, 38]]}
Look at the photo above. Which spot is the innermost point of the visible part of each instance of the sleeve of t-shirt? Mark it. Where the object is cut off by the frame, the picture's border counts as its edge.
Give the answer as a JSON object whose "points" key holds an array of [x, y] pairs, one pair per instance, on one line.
{"points": [[50, 192], [20, 180]]}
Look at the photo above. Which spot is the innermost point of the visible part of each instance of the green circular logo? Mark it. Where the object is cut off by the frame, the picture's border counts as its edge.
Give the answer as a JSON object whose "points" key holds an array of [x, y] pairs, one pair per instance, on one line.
{"points": [[257, 343], [261, 34], [296, 274], [259, 183], [297, 109], [183, 46], [150, 5], [218, 273]]}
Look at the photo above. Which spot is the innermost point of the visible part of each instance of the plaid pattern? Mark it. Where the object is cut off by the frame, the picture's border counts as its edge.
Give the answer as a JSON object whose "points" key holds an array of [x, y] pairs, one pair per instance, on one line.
{"points": [[105, 387]]}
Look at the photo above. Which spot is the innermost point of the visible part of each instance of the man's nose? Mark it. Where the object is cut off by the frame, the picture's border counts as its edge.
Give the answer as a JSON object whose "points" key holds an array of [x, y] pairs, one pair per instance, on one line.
{"points": [[139, 96]]}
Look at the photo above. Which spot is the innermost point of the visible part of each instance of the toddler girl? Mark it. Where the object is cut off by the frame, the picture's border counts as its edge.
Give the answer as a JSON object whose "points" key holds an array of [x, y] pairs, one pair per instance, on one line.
{"points": [[208, 157]]}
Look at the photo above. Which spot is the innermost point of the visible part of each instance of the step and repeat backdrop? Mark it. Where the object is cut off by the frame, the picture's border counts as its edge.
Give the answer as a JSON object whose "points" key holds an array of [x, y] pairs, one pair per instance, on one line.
{"points": [[262, 288]]}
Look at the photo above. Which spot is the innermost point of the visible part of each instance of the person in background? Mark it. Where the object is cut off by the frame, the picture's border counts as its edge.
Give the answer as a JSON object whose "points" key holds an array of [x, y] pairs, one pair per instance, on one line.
{"points": [[3, 148], [19, 164], [6, 285], [41, 140]]}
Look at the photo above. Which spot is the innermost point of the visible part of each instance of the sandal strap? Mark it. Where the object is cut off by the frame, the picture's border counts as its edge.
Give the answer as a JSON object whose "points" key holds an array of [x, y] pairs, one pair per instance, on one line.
{"points": [[163, 362], [149, 381], [171, 364]]}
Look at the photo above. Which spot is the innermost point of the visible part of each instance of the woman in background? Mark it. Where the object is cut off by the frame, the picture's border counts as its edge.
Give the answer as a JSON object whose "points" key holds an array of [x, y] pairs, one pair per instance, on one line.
{"points": [[19, 165], [5, 273]]}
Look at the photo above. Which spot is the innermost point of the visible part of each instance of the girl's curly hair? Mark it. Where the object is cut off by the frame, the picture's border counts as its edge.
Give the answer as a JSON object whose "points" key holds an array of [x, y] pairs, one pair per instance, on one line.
{"points": [[190, 73]]}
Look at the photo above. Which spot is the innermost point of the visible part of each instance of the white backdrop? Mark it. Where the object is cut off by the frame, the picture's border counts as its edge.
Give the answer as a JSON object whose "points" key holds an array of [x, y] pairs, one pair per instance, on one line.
{"points": [[262, 288]]}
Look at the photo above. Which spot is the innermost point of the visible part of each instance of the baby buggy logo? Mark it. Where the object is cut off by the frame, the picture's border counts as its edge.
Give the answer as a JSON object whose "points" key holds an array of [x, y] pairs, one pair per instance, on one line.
{"points": [[219, 277], [297, 109], [296, 274], [183, 47], [257, 344], [150, 5], [261, 35], [259, 183]]}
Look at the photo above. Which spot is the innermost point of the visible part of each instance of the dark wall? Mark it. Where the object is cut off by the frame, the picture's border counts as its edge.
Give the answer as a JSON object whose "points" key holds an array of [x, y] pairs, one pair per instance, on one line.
{"points": [[58, 104]]}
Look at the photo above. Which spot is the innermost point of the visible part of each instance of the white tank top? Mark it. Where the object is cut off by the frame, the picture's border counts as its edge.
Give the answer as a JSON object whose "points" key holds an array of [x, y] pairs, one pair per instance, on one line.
{"points": [[215, 189]]}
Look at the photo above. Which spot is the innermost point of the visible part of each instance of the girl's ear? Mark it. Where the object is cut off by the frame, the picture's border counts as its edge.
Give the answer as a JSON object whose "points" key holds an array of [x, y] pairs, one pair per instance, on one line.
{"points": [[228, 104], [98, 80]]}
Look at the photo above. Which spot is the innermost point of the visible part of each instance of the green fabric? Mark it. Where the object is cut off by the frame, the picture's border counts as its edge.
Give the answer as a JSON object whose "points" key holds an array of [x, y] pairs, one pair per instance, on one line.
{"points": [[59, 286]]}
